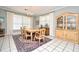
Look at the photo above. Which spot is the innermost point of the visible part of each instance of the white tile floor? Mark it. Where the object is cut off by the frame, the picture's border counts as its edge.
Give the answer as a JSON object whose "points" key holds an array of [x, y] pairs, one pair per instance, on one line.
{"points": [[7, 45]]}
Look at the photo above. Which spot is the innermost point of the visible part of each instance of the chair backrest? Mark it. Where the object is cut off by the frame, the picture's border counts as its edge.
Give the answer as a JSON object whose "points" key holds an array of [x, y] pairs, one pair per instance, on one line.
{"points": [[22, 30], [42, 31], [28, 33], [37, 33], [24, 27]]}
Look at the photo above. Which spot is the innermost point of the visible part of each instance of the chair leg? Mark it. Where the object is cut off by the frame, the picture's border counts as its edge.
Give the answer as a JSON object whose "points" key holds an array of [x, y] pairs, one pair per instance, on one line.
{"points": [[34, 38], [26, 37], [43, 38], [39, 42]]}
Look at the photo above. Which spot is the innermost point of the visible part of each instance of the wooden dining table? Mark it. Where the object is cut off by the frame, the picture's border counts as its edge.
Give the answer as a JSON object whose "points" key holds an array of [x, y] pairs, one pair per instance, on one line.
{"points": [[31, 31]]}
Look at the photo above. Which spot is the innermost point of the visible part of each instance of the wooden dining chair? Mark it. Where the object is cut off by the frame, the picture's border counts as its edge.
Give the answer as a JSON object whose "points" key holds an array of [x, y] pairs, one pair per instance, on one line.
{"points": [[27, 34], [40, 35], [42, 32], [22, 33]]}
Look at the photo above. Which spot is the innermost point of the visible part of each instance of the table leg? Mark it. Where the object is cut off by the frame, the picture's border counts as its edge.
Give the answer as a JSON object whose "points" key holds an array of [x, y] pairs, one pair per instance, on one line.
{"points": [[31, 36]]}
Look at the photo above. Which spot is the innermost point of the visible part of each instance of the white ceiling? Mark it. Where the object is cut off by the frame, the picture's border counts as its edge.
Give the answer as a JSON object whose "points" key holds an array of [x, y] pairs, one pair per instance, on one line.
{"points": [[32, 10]]}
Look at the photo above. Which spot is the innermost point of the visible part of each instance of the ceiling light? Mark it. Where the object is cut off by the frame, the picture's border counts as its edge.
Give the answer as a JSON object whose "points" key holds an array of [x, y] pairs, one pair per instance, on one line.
{"points": [[25, 9]]}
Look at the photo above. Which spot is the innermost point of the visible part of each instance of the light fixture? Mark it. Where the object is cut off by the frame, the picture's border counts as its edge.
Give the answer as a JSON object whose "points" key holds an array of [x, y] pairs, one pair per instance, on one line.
{"points": [[25, 9], [28, 12]]}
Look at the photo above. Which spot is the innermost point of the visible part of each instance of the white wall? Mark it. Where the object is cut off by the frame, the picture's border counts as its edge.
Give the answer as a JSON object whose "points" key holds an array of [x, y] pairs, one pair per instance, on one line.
{"points": [[52, 24], [9, 23]]}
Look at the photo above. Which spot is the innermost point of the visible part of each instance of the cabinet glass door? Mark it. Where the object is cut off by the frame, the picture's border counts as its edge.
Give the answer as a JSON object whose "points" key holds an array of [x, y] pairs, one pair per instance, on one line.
{"points": [[64, 22], [71, 22], [60, 22]]}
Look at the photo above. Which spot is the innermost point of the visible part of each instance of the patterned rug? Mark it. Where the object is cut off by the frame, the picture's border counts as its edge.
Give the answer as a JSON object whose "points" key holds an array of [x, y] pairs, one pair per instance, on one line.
{"points": [[23, 45]]}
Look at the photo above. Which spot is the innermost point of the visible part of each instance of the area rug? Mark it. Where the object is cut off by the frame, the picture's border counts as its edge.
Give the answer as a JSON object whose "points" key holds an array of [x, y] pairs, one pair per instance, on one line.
{"points": [[23, 45]]}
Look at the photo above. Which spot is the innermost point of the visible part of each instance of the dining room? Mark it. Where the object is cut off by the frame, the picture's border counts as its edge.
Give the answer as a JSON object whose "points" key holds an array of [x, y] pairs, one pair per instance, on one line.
{"points": [[31, 31], [37, 29], [28, 28]]}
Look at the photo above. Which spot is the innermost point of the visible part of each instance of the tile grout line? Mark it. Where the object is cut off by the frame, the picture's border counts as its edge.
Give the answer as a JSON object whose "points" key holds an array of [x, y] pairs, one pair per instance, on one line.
{"points": [[65, 47], [57, 46], [14, 43], [46, 47], [42, 50], [73, 47], [54, 45], [50, 44], [2, 43], [9, 44]]}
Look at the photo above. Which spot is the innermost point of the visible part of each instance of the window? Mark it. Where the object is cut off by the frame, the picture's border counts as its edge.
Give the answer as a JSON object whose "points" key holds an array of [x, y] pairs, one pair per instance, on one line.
{"points": [[20, 20], [26, 21], [17, 22], [44, 20]]}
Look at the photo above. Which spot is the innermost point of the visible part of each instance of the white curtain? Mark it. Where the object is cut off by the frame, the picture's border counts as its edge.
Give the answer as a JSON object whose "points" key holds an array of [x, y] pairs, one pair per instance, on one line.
{"points": [[44, 20], [26, 21], [17, 22], [48, 19], [20, 20]]}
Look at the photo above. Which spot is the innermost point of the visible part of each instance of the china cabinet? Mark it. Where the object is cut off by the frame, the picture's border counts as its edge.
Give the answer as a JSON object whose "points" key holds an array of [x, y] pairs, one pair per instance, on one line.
{"points": [[68, 27]]}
